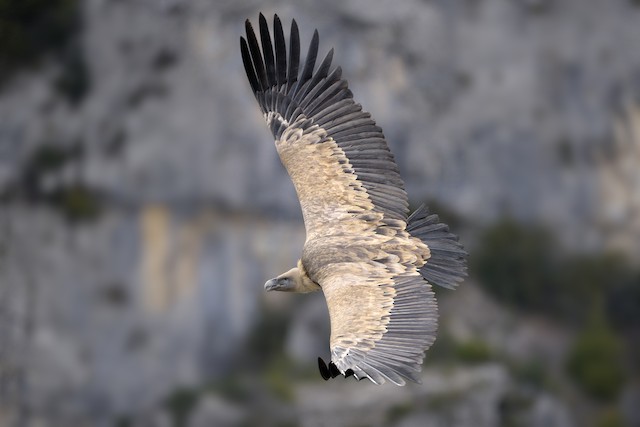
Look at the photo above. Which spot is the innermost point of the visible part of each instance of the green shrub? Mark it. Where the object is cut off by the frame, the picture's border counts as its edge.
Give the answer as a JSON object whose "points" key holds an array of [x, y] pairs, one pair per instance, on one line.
{"points": [[622, 300], [399, 411], [594, 361], [520, 266], [531, 372], [180, 403], [267, 338], [77, 203], [46, 159], [473, 351], [277, 379], [517, 264], [582, 279], [513, 405], [443, 350]]}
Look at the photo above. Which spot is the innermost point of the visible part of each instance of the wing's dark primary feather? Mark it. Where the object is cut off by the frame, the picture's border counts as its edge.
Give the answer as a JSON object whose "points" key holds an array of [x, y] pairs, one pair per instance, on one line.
{"points": [[281, 52], [258, 64], [322, 96], [310, 62], [294, 54], [248, 66], [267, 50]]}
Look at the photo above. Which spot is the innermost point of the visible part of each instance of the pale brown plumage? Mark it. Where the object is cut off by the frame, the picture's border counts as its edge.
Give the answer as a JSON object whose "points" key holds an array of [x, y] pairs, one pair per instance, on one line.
{"points": [[372, 262]]}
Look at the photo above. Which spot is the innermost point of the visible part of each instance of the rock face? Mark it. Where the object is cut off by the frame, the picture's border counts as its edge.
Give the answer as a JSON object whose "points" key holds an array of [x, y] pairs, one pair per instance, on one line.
{"points": [[490, 107], [112, 315], [360, 403], [520, 86]]}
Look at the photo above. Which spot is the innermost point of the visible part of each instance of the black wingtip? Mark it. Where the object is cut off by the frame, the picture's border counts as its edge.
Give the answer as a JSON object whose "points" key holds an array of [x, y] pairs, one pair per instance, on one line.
{"points": [[310, 61], [280, 51], [294, 55], [248, 66], [256, 57], [324, 371], [333, 370], [267, 52], [348, 373], [262, 21]]}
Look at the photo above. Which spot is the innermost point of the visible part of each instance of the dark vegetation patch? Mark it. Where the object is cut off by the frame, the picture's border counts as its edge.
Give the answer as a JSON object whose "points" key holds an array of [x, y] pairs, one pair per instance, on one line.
{"points": [[599, 293], [524, 267], [595, 361], [73, 82], [164, 59], [33, 29], [473, 351], [75, 200], [180, 404]]}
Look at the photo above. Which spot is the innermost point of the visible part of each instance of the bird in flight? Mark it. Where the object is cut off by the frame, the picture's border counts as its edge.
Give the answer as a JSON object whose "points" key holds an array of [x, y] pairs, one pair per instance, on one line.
{"points": [[374, 264]]}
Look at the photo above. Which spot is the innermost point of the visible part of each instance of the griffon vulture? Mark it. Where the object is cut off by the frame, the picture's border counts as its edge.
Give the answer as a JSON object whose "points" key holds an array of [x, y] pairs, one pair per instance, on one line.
{"points": [[374, 264]]}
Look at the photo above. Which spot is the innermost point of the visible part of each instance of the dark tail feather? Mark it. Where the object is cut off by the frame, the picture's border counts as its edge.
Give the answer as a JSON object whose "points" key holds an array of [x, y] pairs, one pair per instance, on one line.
{"points": [[447, 265]]}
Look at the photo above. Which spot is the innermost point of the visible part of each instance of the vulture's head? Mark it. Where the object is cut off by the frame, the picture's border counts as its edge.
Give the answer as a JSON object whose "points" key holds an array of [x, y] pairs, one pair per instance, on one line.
{"points": [[294, 280], [286, 282]]}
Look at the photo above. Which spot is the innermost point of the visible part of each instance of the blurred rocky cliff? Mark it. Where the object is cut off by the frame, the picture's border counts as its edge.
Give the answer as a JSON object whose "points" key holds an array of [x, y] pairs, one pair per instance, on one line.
{"points": [[143, 203]]}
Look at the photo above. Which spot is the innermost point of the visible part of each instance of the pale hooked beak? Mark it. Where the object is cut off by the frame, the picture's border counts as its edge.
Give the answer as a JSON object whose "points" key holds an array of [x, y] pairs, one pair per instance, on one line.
{"points": [[271, 285]]}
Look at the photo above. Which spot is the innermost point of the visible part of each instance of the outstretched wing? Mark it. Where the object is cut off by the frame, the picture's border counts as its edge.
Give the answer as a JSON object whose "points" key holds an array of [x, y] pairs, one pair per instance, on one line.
{"points": [[336, 156], [383, 313]]}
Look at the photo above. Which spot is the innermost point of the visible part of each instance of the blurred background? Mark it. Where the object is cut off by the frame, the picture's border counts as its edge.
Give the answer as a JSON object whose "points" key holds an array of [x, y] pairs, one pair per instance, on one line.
{"points": [[143, 206]]}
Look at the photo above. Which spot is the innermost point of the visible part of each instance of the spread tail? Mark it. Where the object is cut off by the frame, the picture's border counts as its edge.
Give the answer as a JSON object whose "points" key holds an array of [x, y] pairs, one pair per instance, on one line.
{"points": [[447, 265]]}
